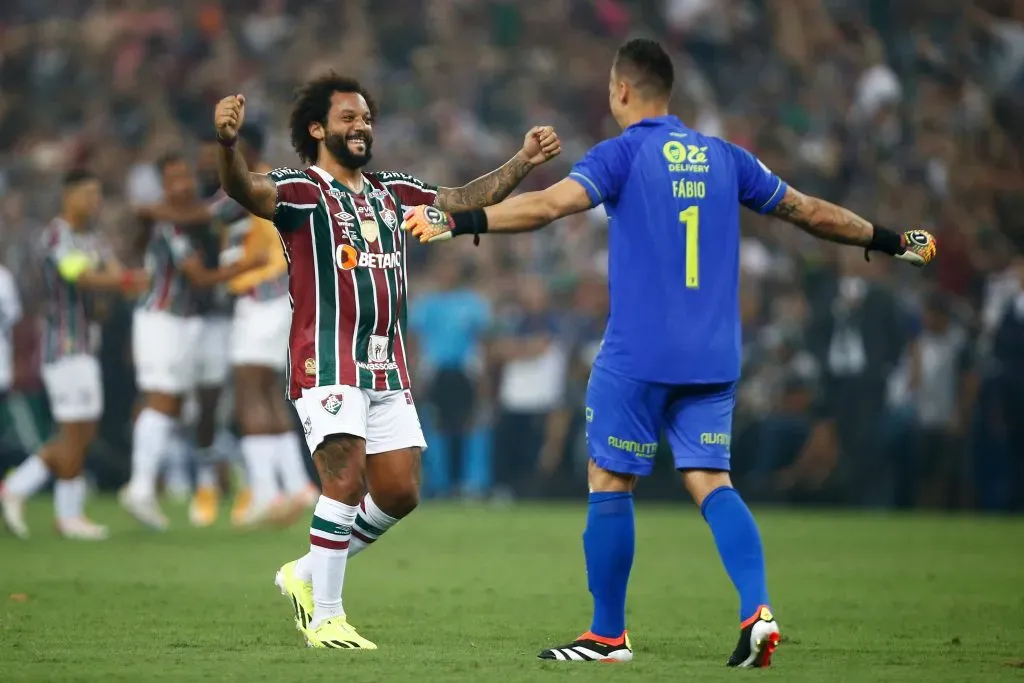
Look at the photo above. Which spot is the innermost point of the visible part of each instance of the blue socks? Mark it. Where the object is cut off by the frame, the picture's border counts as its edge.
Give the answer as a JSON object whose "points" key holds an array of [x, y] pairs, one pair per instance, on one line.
{"points": [[608, 544], [739, 545]]}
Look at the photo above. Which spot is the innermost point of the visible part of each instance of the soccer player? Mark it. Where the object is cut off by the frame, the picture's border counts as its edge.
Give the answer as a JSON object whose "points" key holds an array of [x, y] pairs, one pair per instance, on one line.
{"points": [[214, 306], [671, 351], [78, 264], [349, 381], [259, 353], [165, 333]]}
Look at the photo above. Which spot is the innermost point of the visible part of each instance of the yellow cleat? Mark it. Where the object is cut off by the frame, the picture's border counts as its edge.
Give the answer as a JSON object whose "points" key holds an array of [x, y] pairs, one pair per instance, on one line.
{"points": [[205, 507], [299, 592], [337, 634], [240, 508]]}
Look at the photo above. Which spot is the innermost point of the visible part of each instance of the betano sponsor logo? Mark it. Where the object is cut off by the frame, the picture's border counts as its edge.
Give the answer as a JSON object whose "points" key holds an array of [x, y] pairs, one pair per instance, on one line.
{"points": [[348, 257]]}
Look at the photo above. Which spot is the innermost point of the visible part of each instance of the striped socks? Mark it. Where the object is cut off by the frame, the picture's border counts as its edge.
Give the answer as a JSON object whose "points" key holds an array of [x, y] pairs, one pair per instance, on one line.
{"points": [[371, 522], [329, 536]]}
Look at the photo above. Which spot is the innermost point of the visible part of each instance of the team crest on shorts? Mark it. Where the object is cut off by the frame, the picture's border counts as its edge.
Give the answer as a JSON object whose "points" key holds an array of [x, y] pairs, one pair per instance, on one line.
{"points": [[332, 403], [310, 366]]}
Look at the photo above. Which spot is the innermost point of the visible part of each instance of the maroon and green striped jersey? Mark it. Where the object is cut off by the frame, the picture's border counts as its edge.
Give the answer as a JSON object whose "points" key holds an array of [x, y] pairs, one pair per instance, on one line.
{"points": [[347, 276], [67, 326], [170, 291]]}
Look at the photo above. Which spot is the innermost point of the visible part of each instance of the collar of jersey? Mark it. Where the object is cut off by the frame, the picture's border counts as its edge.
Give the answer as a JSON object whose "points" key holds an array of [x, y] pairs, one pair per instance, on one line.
{"points": [[331, 180], [668, 119]]}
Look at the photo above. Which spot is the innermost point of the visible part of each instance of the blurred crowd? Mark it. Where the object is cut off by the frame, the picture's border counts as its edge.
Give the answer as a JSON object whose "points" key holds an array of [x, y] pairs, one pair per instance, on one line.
{"points": [[864, 384]]}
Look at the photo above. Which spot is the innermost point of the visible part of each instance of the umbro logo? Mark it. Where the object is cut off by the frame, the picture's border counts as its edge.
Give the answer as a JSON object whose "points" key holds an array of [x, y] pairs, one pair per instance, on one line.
{"points": [[344, 217]]}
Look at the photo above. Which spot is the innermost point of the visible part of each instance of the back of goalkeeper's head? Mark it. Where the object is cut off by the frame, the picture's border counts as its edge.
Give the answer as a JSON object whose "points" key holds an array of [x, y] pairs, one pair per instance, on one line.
{"points": [[641, 81]]}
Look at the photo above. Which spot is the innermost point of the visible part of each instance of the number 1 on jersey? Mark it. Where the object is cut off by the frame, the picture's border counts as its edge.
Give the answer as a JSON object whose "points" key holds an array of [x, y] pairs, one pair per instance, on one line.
{"points": [[691, 217]]}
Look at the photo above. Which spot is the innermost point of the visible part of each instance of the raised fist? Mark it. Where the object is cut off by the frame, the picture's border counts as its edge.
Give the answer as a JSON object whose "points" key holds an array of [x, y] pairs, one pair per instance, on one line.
{"points": [[229, 116], [540, 145]]}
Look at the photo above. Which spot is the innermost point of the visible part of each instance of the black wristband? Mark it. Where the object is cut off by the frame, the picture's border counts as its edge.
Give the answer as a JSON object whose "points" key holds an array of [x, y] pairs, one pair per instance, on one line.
{"points": [[223, 142], [885, 241], [472, 222]]}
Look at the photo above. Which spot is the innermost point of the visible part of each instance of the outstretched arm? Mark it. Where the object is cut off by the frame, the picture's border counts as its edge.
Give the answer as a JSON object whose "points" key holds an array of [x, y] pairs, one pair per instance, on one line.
{"points": [[823, 219], [541, 144], [828, 221], [523, 213], [533, 210]]}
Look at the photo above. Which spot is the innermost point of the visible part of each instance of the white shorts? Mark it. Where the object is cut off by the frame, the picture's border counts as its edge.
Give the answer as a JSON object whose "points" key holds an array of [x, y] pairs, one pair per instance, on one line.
{"points": [[164, 350], [386, 419], [74, 385], [260, 332], [212, 366]]}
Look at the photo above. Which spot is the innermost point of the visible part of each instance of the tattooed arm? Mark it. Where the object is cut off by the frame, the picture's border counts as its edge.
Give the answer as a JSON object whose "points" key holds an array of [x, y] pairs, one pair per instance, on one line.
{"points": [[541, 144], [487, 189], [823, 219]]}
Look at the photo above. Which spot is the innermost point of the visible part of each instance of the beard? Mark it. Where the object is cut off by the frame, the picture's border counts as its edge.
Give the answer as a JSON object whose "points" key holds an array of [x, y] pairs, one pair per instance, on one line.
{"points": [[337, 145]]}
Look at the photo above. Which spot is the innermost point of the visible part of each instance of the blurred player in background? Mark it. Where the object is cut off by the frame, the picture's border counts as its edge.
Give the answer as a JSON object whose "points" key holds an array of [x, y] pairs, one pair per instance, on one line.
{"points": [[10, 315], [259, 354], [214, 307], [78, 264], [671, 352], [348, 375], [165, 335]]}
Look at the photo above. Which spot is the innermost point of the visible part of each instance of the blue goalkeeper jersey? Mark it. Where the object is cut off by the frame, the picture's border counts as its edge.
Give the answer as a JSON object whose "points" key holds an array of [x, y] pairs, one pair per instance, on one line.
{"points": [[673, 198]]}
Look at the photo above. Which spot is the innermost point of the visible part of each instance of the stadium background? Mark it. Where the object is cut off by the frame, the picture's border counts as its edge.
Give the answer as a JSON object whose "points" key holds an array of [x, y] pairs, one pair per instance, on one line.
{"points": [[864, 384]]}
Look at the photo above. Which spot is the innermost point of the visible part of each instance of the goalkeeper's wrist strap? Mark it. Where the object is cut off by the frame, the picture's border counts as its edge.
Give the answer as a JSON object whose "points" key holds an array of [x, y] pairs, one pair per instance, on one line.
{"points": [[885, 241], [472, 222]]}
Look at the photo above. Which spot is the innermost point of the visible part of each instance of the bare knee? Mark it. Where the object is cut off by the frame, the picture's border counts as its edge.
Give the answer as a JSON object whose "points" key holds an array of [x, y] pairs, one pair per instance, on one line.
{"points": [[399, 499], [699, 483], [254, 418], [601, 480], [341, 463], [394, 478], [253, 407]]}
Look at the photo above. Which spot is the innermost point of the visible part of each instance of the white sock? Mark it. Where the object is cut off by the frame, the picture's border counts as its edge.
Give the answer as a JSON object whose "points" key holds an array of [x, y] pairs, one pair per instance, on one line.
{"points": [[149, 444], [259, 455], [370, 524], [291, 467], [206, 467], [176, 457], [329, 535], [26, 480], [69, 498]]}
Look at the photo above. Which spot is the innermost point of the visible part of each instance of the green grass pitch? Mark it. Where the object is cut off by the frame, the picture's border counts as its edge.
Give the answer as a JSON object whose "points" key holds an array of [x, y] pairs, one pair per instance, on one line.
{"points": [[472, 593]]}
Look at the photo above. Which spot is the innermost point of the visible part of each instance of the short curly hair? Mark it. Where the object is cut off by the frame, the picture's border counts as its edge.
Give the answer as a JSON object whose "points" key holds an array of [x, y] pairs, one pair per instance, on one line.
{"points": [[312, 101]]}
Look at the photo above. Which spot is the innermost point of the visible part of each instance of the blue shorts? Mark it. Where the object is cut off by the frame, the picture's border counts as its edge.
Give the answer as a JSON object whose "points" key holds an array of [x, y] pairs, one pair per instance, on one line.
{"points": [[626, 417]]}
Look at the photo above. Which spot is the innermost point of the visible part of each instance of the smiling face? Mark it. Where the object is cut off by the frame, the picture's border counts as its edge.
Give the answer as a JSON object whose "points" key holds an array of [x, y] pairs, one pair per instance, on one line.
{"points": [[348, 134]]}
